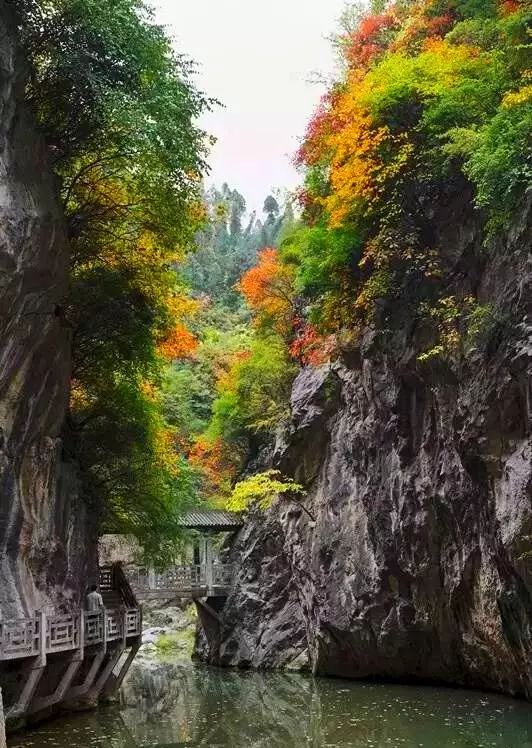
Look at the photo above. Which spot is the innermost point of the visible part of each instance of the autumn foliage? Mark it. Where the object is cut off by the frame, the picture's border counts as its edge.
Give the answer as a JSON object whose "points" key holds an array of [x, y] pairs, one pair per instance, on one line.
{"points": [[371, 38], [212, 458], [309, 347], [433, 91], [268, 290], [180, 343]]}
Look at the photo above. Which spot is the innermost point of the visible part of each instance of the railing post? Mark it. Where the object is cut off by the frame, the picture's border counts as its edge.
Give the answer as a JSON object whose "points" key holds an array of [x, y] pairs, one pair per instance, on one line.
{"points": [[43, 623], [35, 672], [81, 642], [104, 616]]}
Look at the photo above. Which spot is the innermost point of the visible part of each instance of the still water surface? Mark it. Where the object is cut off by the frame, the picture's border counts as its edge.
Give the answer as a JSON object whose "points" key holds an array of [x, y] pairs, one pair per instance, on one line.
{"points": [[174, 705]]}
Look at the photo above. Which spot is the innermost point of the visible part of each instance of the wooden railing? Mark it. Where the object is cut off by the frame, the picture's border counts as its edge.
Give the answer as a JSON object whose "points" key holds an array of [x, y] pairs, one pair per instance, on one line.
{"points": [[22, 638], [47, 635], [62, 633], [186, 580], [222, 575], [94, 628], [121, 583]]}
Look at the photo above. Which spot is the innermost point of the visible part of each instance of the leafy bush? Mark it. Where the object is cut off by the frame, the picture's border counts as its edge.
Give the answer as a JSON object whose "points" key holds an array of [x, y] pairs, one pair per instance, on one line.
{"points": [[261, 490]]}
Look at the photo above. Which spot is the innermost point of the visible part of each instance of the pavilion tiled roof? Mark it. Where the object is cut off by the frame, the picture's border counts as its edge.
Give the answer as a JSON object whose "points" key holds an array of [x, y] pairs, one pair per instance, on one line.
{"points": [[211, 519]]}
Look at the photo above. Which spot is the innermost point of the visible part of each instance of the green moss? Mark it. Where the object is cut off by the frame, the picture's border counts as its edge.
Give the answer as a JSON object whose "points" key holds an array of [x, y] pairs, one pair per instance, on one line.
{"points": [[176, 643]]}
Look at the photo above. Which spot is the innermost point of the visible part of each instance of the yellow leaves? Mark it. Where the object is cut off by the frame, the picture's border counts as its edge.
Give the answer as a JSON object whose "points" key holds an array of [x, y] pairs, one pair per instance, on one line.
{"points": [[79, 397], [150, 391], [165, 451], [183, 307], [516, 98], [355, 162], [261, 490], [198, 213], [360, 173], [364, 155]]}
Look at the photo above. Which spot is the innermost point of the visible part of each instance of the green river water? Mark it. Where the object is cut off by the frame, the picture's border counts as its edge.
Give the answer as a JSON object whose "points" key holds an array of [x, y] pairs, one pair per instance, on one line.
{"points": [[174, 705]]}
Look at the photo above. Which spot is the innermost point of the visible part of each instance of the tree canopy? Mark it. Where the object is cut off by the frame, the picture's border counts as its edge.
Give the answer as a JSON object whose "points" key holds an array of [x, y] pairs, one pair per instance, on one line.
{"points": [[118, 109]]}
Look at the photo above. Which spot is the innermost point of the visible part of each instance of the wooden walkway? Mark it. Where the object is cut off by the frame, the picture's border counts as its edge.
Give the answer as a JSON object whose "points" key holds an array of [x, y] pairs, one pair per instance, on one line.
{"points": [[60, 658], [49, 660], [191, 581]]}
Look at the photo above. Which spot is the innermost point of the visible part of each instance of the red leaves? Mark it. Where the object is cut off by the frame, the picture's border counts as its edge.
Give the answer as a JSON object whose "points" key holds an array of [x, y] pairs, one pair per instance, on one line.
{"points": [[507, 7], [371, 38], [211, 457], [325, 121], [309, 347]]}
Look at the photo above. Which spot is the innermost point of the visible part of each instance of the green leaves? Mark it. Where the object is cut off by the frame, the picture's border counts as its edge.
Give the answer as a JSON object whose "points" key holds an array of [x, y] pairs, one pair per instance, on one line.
{"points": [[319, 254], [254, 394], [499, 159]]}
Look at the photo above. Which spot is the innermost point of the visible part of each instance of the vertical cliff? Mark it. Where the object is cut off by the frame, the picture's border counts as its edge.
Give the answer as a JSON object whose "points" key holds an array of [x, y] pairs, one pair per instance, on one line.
{"points": [[43, 535], [417, 564]]}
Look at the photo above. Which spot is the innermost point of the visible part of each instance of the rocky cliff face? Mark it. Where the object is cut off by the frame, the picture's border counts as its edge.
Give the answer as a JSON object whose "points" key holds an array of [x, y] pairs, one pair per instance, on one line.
{"points": [[43, 535], [414, 566]]}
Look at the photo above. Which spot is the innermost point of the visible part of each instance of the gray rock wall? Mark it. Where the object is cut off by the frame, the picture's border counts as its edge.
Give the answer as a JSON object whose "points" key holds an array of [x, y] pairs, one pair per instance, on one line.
{"points": [[415, 565], [43, 527], [2, 723]]}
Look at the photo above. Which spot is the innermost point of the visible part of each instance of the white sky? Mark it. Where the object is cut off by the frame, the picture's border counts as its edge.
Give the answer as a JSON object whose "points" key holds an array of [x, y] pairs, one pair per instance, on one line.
{"points": [[258, 58]]}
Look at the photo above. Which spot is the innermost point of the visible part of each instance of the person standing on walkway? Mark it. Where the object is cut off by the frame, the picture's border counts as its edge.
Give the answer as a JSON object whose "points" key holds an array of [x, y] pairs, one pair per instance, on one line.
{"points": [[94, 600]]}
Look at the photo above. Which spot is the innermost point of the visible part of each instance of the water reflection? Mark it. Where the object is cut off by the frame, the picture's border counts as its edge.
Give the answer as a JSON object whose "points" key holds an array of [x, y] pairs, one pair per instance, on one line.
{"points": [[179, 705]]}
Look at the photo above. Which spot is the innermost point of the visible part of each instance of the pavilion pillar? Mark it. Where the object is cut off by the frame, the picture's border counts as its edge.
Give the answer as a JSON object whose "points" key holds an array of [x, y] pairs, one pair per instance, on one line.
{"points": [[196, 553], [208, 560]]}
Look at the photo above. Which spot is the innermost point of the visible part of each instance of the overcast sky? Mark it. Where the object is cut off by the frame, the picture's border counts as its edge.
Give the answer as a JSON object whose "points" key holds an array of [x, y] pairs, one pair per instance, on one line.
{"points": [[258, 58]]}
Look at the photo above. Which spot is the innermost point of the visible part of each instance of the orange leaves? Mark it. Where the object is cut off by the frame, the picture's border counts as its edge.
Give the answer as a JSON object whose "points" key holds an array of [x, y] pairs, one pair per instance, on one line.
{"points": [[359, 165], [268, 289], [180, 343], [355, 163], [211, 458], [422, 24], [507, 7]]}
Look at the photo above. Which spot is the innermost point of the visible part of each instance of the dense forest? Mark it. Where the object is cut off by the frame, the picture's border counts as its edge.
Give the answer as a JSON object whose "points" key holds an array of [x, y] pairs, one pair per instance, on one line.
{"points": [[191, 318]]}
